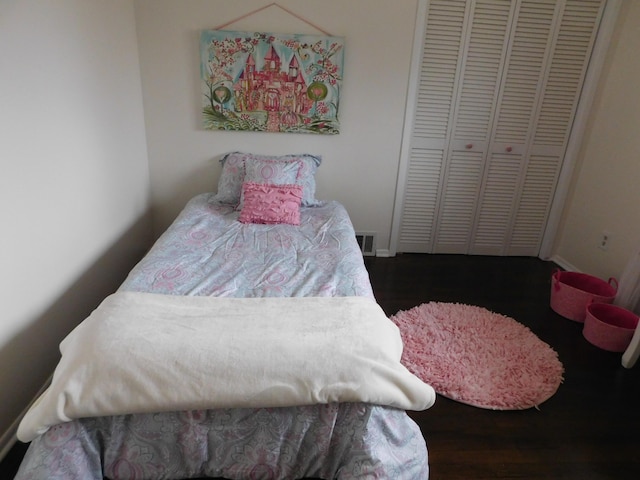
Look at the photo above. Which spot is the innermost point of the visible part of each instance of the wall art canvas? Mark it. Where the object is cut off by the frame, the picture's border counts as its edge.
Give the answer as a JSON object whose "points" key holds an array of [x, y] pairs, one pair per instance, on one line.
{"points": [[271, 82]]}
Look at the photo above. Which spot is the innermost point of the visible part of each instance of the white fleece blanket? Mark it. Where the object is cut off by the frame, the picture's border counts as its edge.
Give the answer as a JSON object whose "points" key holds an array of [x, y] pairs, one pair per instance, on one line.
{"points": [[144, 352]]}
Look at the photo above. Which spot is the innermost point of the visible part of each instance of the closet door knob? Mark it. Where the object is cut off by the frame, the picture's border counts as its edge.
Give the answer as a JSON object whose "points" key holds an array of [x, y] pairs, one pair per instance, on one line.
{"points": [[469, 146], [508, 149]]}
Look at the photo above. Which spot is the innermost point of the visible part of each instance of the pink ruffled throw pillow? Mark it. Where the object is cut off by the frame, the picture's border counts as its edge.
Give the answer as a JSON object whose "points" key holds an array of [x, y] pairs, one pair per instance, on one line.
{"points": [[269, 204]]}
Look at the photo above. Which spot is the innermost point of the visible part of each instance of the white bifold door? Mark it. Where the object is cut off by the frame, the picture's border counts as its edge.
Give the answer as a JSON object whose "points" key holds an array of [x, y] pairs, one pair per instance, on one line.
{"points": [[498, 89]]}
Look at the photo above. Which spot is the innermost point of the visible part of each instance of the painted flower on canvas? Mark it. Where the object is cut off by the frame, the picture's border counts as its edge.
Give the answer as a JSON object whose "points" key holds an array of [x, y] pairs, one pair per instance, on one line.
{"points": [[271, 82]]}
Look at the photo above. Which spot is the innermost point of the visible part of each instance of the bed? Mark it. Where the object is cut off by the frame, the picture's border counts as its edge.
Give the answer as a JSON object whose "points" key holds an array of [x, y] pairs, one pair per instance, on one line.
{"points": [[261, 272]]}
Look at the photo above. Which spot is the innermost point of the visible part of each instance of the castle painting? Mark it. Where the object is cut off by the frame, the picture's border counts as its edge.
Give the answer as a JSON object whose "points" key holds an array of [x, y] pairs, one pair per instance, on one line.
{"points": [[271, 82]]}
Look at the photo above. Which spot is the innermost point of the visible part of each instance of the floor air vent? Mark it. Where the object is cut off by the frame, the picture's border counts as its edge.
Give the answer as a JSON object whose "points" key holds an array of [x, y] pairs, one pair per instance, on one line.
{"points": [[367, 242]]}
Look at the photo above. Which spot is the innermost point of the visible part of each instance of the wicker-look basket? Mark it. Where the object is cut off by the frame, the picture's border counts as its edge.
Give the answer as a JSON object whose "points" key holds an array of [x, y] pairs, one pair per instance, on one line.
{"points": [[609, 327], [572, 292]]}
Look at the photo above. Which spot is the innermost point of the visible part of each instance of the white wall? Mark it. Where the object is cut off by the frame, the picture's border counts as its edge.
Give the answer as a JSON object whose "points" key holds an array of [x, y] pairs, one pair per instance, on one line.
{"points": [[359, 165], [606, 190], [74, 187]]}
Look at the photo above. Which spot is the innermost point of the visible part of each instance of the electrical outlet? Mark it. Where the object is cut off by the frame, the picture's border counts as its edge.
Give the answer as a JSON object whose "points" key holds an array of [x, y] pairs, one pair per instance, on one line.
{"points": [[605, 238]]}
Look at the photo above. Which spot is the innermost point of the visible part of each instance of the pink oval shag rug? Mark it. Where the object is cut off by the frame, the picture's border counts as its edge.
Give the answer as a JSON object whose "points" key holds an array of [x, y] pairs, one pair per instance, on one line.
{"points": [[478, 357]]}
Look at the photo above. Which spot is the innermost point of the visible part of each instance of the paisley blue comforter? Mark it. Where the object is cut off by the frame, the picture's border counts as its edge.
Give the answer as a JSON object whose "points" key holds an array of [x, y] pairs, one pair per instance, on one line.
{"points": [[206, 251]]}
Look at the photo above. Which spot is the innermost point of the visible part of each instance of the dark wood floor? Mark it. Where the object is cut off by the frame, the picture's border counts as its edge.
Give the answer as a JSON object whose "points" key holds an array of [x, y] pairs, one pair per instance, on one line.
{"points": [[590, 429]]}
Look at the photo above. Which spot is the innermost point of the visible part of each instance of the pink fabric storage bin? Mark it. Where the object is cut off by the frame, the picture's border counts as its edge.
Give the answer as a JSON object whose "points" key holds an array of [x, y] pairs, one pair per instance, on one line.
{"points": [[609, 327], [572, 292]]}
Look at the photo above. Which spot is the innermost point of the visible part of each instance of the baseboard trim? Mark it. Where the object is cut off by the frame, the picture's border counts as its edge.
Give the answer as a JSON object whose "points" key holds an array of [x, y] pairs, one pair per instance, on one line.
{"points": [[558, 260], [9, 438]]}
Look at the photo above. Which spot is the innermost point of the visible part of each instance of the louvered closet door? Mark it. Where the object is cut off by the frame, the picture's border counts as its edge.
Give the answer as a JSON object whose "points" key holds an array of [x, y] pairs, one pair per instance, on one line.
{"points": [[499, 85], [562, 84], [439, 75], [548, 54], [485, 47]]}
